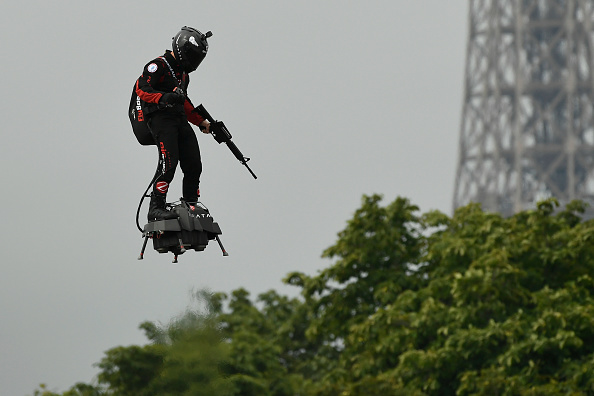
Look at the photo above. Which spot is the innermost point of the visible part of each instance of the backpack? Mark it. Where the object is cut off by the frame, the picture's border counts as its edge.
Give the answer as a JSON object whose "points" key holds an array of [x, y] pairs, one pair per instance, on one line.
{"points": [[137, 115]]}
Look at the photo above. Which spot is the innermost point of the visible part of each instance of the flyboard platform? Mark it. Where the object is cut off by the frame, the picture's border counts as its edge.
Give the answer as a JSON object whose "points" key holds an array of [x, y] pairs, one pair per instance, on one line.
{"points": [[192, 230]]}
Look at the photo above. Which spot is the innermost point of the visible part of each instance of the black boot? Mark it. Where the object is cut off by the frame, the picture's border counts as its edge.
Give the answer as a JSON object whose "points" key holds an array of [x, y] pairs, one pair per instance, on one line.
{"points": [[193, 198], [157, 210], [192, 205]]}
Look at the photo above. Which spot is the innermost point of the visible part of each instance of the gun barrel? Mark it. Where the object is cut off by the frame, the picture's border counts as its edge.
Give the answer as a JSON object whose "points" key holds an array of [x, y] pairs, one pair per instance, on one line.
{"points": [[240, 157], [248, 168], [235, 151]]}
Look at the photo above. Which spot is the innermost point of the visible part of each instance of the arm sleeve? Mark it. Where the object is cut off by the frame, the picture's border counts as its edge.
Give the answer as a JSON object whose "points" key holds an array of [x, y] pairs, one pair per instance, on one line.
{"points": [[192, 116], [152, 73]]}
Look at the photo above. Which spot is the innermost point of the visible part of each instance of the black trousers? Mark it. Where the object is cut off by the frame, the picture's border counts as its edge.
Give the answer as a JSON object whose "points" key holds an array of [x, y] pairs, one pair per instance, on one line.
{"points": [[177, 143]]}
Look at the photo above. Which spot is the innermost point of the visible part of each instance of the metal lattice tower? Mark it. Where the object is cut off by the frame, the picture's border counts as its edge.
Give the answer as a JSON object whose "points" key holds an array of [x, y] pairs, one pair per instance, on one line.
{"points": [[527, 129]]}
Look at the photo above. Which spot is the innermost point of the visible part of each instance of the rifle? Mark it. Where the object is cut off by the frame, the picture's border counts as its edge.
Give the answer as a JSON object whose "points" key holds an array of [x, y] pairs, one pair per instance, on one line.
{"points": [[222, 135]]}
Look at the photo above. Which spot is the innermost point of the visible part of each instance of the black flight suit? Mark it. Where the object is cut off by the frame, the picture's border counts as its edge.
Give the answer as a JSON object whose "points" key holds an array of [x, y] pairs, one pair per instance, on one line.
{"points": [[169, 125]]}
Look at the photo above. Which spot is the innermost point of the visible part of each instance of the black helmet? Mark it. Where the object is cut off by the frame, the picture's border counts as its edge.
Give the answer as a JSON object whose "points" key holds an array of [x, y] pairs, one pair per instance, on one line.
{"points": [[190, 47]]}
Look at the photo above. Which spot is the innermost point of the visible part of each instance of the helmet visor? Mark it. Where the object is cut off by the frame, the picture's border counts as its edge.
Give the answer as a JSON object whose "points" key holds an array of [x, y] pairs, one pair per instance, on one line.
{"points": [[194, 56]]}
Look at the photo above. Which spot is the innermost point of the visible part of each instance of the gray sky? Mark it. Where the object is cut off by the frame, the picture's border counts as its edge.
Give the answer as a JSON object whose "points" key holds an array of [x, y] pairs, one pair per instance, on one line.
{"points": [[330, 99]]}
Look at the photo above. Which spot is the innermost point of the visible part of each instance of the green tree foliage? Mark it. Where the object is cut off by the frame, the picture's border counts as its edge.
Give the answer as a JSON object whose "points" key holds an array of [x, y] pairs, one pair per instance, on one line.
{"points": [[80, 389], [496, 305], [411, 304], [184, 357], [267, 345]]}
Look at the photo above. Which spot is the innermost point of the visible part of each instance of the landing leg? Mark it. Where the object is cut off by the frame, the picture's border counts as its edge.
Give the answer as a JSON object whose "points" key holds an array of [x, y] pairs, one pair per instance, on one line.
{"points": [[143, 247], [221, 246]]}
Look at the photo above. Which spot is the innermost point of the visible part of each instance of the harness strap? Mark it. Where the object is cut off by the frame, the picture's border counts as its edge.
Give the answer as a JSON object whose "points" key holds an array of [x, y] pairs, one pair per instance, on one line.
{"points": [[179, 84]]}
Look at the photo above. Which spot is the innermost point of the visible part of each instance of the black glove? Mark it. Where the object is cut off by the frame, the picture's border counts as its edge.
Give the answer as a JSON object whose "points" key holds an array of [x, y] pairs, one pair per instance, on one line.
{"points": [[173, 98]]}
